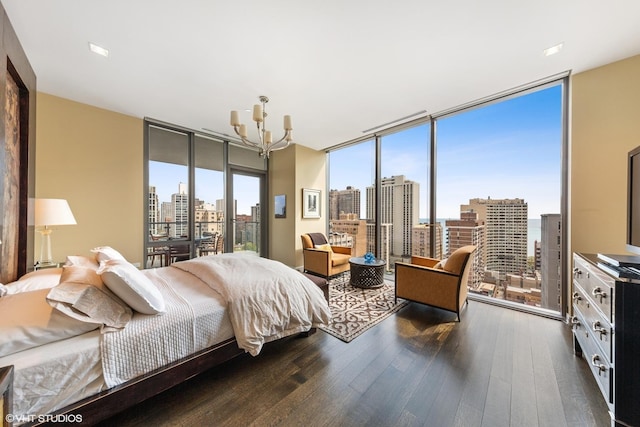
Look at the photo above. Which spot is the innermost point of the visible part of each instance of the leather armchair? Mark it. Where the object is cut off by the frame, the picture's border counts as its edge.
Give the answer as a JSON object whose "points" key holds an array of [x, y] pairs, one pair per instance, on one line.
{"points": [[426, 282], [324, 262]]}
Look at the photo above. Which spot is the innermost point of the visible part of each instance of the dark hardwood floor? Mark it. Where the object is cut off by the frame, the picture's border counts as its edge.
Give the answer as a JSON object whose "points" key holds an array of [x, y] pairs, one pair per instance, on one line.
{"points": [[419, 367]]}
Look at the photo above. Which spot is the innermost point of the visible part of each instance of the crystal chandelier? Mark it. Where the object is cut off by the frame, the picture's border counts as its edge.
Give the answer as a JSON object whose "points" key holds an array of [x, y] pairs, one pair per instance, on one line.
{"points": [[265, 140]]}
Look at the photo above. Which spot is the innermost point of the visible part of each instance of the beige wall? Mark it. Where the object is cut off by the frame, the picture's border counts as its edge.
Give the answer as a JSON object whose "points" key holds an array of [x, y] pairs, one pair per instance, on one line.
{"points": [[290, 171], [605, 126], [93, 158]]}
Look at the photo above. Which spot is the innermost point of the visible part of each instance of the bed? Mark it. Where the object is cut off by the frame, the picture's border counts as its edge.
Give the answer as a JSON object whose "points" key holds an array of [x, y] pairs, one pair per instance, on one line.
{"points": [[99, 332]]}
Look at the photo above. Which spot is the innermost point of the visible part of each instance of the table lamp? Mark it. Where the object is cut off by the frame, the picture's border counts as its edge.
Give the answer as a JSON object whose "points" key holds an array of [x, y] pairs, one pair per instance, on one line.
{"points": [[47, 213]]}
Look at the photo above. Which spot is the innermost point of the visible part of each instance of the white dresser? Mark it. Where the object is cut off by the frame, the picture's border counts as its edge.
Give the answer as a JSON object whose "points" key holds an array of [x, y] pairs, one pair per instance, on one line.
{"points": [[606, 330]]}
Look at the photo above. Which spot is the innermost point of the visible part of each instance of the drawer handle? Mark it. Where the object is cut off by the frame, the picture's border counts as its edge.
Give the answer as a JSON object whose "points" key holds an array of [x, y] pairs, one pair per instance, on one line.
{"points": [[575, 322], [576, 297], [597, 327], [597, 292], [577, 272], [595, 359]]}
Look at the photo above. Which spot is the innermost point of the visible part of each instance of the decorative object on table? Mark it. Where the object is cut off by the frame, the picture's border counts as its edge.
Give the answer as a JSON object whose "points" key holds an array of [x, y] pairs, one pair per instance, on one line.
{"points": [[355, 310], [265, 140], [47, 213], [281, 206], [369, 258], [310, 203]]}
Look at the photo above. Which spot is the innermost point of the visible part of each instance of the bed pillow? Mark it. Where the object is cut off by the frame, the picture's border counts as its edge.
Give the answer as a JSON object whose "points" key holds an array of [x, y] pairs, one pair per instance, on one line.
{"points": [[82, 261], [77, 274], [45, 278], [90, 304], [29, 321], [133, 287], [3, 290], [107, 253]]}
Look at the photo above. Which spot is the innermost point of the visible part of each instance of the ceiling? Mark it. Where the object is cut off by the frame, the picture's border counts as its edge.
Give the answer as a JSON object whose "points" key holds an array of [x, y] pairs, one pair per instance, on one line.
{"points": [[337, 67]]}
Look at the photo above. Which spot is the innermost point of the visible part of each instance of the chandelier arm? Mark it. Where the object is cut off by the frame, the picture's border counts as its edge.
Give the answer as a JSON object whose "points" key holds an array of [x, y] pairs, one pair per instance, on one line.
{"points": [[272, 148], [245, 140]]}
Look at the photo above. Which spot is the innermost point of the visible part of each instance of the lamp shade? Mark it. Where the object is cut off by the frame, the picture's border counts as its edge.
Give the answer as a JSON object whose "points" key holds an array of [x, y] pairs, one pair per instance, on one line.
{"points": [[49, 212]]}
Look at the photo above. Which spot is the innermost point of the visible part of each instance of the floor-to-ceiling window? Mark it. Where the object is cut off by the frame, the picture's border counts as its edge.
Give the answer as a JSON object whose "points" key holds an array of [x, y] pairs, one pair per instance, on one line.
{"points": [[499, 187], [352, 210], [499, 169], [404, 201]]}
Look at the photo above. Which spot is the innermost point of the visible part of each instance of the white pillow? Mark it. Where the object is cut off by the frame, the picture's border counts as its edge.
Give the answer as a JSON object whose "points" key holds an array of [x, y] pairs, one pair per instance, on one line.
{"points": [[133, 287], [82, 261], [326, 247], [29, 321], [3, 290], [46, 278], [90, 304], [106, 253]]}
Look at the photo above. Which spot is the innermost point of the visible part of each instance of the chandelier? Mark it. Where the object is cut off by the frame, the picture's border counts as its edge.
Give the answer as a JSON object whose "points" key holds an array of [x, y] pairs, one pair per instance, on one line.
{"points": [[265, 140]]}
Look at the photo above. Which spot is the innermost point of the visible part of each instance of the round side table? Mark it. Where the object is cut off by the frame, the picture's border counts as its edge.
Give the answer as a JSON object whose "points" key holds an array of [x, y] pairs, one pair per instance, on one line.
{"points": [[366, 274]]}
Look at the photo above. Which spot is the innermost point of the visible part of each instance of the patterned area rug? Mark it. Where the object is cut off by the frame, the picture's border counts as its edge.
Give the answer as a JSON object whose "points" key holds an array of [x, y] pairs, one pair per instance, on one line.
{"points": [[354, 310]]}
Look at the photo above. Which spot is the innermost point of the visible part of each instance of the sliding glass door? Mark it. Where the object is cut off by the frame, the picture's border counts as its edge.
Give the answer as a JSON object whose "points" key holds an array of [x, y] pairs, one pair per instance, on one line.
{"points": [[247, 224], [187, 204]]}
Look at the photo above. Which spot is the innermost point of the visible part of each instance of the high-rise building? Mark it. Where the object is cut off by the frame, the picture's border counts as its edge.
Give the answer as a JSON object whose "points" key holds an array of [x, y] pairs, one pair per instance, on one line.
{"points": [[345, 201], [421, 240], [180, 212], [399, 205], [506, 225], [154, 211], [468, 230], [208, 220], [550, 252]]}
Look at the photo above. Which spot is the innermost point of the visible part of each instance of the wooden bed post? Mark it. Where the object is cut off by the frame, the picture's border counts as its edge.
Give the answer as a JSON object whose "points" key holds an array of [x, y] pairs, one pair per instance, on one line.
{"points": [[6, 392]]}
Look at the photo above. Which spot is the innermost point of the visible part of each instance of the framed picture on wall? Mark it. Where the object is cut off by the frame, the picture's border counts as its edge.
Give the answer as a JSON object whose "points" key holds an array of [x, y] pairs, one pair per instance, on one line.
{"points": [[310, 203], [281, 206]]}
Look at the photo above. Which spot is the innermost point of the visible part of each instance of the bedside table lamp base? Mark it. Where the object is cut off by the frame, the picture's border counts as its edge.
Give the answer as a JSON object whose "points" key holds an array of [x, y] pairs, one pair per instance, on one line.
{"points": [[46, 258]]}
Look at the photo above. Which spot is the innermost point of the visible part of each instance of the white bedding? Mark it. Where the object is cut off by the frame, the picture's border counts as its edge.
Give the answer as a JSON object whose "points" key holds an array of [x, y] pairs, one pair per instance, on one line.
{"points": [[266, 299], [213, 298], [55, 375], [153, 341]]}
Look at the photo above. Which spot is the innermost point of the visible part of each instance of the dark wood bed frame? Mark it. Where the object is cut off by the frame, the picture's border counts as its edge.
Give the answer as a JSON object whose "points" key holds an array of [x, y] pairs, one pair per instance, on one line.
{"points": [[105, 404]]}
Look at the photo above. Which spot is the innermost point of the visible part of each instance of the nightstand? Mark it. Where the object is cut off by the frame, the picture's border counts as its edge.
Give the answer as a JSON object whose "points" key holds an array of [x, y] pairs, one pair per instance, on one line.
{"points": [[38, 266]]}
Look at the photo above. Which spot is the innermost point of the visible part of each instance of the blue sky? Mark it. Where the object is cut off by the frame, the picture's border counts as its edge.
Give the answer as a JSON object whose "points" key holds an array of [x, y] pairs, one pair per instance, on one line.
{"points": [[510, 149]]}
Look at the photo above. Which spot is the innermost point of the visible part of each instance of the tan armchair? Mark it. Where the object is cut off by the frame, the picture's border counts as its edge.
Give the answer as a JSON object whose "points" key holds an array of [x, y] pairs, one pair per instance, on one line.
{"points": [[424, 281], [326, 261]]}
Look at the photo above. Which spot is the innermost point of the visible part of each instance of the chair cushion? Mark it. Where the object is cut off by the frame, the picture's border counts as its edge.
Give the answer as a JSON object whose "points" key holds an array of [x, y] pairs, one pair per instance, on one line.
{"points": [[339, 259]]}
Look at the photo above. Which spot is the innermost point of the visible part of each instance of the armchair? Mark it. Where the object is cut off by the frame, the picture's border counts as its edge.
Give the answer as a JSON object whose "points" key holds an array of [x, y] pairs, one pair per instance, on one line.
{"points": [[426, 282], [322, 259]]}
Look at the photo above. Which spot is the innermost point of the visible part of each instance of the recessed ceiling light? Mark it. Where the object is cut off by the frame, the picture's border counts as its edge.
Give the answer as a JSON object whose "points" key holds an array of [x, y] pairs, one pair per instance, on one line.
{"points": [[98, 49], [553, 49]]}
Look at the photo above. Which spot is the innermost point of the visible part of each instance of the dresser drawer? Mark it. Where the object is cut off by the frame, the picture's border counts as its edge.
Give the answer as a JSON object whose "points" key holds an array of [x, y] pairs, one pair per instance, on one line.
{"points": [[598, 362], [597, 284], [594, 321]]}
